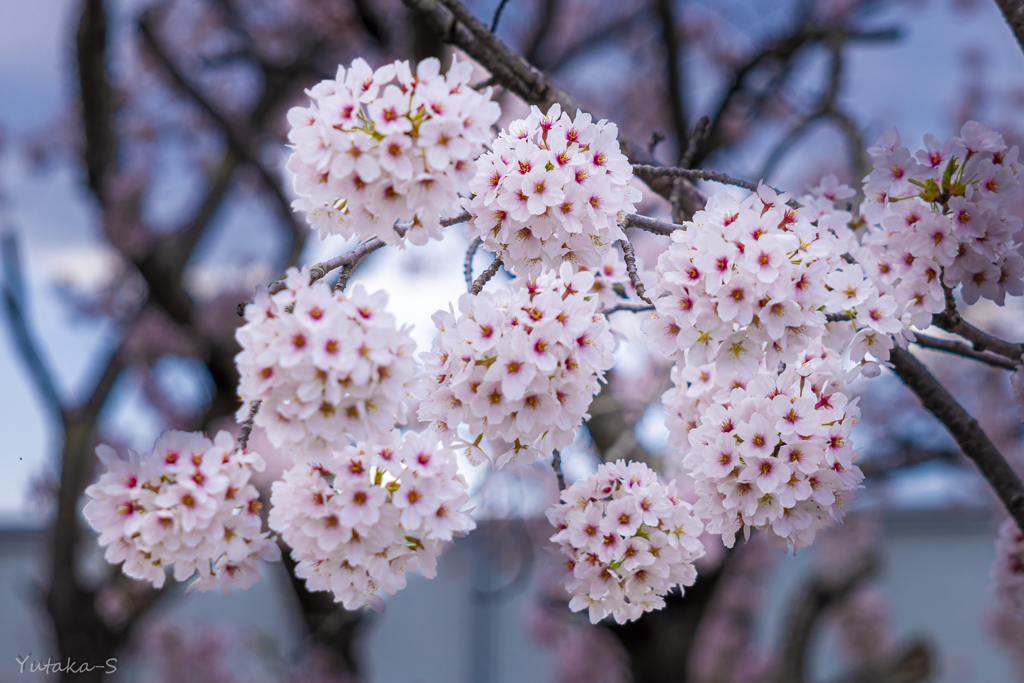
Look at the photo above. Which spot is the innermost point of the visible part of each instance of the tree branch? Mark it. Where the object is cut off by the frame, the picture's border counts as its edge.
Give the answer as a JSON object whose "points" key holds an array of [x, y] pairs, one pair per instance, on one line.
{"points": [[24, 339], [965, 429], [670, 41], [692, 174], [492, 270], [961, 349], [951, 321], [629, 256], [652, 225], [1013, 12], [807, 609], [633, 308]]}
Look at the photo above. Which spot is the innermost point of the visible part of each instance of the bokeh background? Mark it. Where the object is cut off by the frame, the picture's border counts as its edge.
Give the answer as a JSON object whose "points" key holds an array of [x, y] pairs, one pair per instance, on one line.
{"points": [[143, 196]]}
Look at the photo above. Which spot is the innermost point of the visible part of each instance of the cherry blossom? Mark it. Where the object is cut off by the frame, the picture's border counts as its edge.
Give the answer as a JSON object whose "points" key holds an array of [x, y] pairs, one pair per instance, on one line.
{"points": [[376, 147], [551, 189], [518, 367], [627, 540], [186, 504], [359, 518], [326, 365]]}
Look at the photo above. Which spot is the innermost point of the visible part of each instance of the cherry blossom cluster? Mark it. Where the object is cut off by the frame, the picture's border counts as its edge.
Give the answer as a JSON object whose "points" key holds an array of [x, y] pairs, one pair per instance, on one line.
{"points": [[771, 453], [551, 189], [750, 281], [376, 147], [360, 518], [518, 366], [326, 365], [187, 504], [941, 216], [628, 540], [1008, 568]]}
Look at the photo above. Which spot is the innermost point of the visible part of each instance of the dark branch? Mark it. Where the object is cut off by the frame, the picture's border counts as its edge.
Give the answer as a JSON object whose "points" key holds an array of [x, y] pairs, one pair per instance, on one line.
{"points": [[467, 268], [632, 308], [492, 270], [674, 91], [246, 431], [556, 465], [808, 608], [691, 174], [25, 341], [961, 349], [1013, 12], [497, 15], [965, 429], [629, 256], [951, 321], [97, 97]]}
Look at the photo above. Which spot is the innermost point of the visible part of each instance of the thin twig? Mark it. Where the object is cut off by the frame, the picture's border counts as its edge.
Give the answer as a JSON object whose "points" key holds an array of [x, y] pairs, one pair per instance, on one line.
{"points": [[556, 465], [467, 267], [632, 308], [246, 431], [965, 429], [693, 174], [633, 220], [492, 270], [629, 256], [497, 15]]}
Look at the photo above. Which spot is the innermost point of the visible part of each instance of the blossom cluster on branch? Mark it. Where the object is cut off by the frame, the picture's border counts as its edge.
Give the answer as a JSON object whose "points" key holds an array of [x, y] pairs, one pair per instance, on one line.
{"points": [[359, 518], [325, 365], [628, 540], [518, 367], [767, 305], [186, 504], [940, 217], [551, 189], [369, 152]]}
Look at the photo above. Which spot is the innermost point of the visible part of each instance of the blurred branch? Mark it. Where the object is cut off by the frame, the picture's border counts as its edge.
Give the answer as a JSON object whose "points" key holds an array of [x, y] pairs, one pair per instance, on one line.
{"points": [[96, 96], [241, 139], [779, 53], [912, 663], [904, 455], [1013, 12], [674, 91], [24, 340], [807, 610], [827, 108], [965, 429]]}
